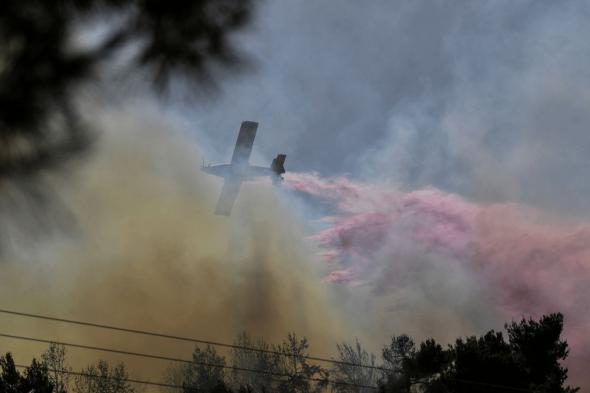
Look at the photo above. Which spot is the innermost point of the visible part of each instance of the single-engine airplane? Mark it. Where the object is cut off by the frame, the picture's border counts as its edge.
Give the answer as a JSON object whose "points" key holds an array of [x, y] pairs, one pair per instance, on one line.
{"points": [[240, 170]]}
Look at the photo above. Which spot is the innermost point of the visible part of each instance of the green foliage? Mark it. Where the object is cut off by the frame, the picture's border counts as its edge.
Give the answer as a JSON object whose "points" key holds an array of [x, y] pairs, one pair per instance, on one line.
{"points": [[399, 350], [529, 360], [34, 379], [10, 379], [293, 364], [538, 349], [355, 371], [54, 358], [40, 69], [103, 378], [284, 368], [254, 360], [488, 359], [397, 357], [206, 373], [414, 367]]}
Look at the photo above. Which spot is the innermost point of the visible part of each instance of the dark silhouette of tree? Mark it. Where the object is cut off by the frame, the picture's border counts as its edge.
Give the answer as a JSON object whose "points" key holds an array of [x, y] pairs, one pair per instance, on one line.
{"points": [[41, 70], [355, 371], [34, 379], [399, 351], [538, 349], [54, 358], [103, 378], [428, 360], [414, 367], [284, 369], [529, 361], [293, 363], [206, 372], [488, 359], [256, 360]]}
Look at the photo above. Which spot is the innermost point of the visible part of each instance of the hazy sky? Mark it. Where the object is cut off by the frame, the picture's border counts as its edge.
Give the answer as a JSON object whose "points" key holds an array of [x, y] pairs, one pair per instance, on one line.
{"points": [[488, 99], [429, 108]]}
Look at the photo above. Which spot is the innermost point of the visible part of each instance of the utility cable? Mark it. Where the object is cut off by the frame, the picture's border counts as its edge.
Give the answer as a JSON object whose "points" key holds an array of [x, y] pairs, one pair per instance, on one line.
{"points": [[188, 339], [232, 346], [69, 372], [499, 387], [160, 357]]}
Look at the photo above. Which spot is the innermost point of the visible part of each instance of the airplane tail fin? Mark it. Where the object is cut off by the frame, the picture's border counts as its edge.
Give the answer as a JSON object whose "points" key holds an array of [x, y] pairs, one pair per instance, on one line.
{"points": [[278, 165]]}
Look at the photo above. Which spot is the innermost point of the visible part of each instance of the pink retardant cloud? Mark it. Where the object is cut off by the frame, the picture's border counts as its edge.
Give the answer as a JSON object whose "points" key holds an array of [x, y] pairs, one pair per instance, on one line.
{"points": [[528, 263]]}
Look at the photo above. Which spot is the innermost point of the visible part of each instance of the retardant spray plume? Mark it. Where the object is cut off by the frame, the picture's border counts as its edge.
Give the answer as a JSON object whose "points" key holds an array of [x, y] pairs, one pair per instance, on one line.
{"points": [[526, 263]]}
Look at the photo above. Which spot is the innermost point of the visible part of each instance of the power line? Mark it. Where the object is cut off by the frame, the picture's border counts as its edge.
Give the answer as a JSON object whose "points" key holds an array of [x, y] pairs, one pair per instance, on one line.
{"points": [[160, 357], [232, 346], [470, 382], [69, 372], [187, 339], [489, 384], [161, 384]]}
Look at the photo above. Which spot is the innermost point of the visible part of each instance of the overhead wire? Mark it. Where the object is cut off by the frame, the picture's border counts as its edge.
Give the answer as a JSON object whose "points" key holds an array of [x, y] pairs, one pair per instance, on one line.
{"points": [[213, 343], [162, 384], [131, 380], [498, 387], [188, 339], [186, 361]]}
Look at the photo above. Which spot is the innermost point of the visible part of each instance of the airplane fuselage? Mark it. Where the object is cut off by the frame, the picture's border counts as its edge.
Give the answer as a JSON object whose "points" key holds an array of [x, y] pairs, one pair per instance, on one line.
{"points": [[241, 172]]}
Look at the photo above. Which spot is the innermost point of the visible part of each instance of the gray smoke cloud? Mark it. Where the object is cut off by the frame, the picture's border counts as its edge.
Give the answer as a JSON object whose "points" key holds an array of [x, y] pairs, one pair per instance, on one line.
{"points": [[483, 99], [486, 99], [146, 251]]}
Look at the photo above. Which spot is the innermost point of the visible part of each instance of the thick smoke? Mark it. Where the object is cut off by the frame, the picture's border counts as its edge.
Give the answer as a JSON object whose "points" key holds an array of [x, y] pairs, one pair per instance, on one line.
{"points": [[523, 262], [145, 251], [486, 102]]}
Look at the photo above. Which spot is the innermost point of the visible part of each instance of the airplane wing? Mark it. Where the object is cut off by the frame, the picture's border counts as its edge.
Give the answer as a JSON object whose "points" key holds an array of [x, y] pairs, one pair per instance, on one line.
{"points": [[244, 143], [229, 193], [255, 170]]}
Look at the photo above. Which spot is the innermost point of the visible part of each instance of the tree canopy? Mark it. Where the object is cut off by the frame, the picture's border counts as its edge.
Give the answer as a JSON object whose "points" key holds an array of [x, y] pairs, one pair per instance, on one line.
{"points": [[527, 358], [528, 361], [42, 65], [34, 379]]}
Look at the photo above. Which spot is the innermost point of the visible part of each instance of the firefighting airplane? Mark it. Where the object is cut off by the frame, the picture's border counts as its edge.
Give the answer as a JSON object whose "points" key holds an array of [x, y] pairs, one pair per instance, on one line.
{"points": [[240, 170]]}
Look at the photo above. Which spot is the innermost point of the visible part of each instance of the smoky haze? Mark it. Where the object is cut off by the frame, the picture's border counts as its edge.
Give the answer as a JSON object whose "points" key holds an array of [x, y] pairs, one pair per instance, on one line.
{"points": [[484, 102], [147, 252], [485, 99], [437, 255]]}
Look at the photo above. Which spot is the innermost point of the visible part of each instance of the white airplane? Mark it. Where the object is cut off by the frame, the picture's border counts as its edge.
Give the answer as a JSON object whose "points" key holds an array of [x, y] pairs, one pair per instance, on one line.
{"points": [[240, 170]]}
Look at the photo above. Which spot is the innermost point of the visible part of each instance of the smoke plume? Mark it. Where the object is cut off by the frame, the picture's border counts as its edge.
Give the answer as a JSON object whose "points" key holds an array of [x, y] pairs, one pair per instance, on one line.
{"points": [[144, 250], [523, 262]]}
